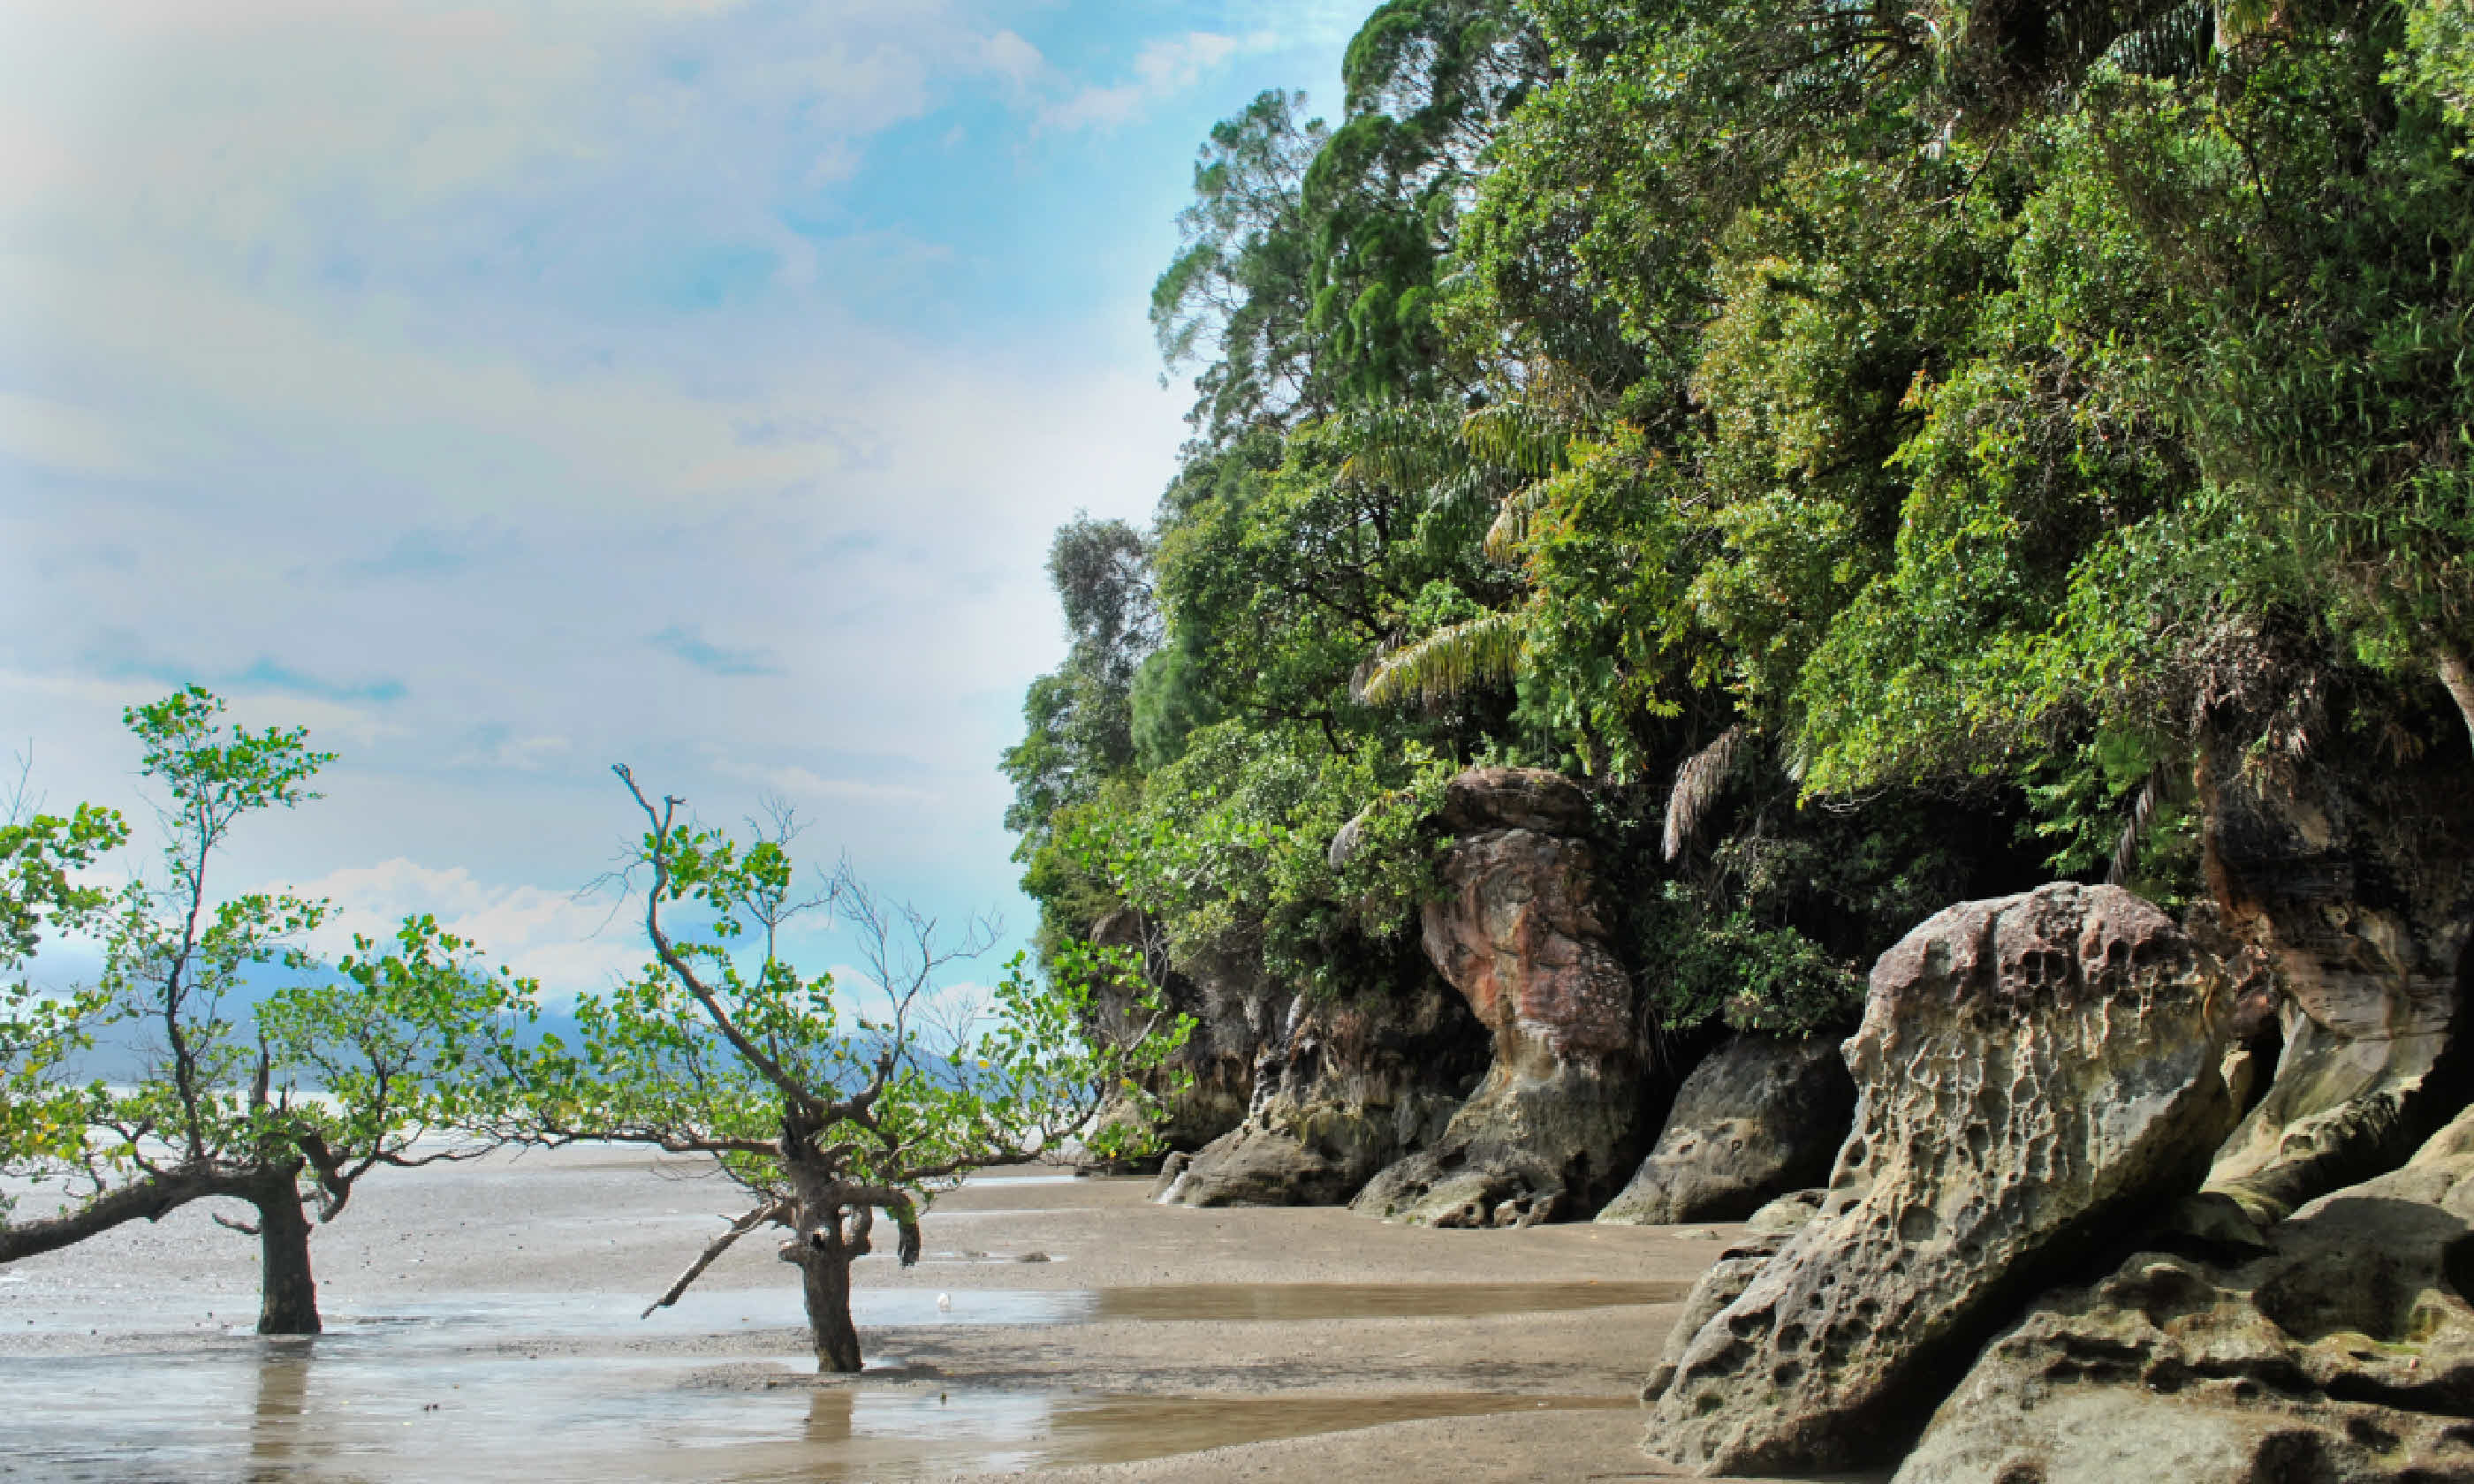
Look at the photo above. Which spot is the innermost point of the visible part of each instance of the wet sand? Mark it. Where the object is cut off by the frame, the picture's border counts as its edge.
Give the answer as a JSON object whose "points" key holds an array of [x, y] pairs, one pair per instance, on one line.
{"points": [[483, 1326]]}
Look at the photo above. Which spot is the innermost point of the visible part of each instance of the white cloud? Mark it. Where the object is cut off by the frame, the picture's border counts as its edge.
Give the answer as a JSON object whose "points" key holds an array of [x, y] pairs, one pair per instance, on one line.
{"points": [[522, 754], [58, 436], [801, 783], [569, 942], [377, 363], [1162, 68]]}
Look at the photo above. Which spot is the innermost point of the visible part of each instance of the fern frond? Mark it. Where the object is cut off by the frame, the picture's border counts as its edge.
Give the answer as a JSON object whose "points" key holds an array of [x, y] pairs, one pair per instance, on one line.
{"points": [[1484, 649], [1697, 785]]}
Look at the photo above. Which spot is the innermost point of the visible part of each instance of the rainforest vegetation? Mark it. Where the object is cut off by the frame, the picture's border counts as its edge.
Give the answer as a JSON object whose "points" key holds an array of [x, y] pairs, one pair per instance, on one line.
{"points": [[1890, 453]]}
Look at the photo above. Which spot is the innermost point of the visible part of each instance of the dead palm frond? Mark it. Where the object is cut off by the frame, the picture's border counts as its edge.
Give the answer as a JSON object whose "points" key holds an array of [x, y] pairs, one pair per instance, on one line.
{"points": [[2142, 813], [1698, 784], [1511, 527], [1484, 651]]}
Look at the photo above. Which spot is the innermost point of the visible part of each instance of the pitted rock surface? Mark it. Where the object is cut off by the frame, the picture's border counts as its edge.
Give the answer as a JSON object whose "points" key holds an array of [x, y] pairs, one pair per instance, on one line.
{"points": [[1721, 1284], [2352, 882], [1518, 933], [2342, 1353], [1758, 1117], [1340, 1092], [2030, 1071]]}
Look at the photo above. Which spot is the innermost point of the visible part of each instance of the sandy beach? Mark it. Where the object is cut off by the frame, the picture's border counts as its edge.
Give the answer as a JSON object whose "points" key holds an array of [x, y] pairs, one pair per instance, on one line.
{"points": [[483, 1325]]}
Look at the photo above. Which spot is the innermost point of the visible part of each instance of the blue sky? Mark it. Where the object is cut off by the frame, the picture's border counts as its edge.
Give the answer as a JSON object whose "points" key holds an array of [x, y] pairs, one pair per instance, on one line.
{"points": [[505, 390]]}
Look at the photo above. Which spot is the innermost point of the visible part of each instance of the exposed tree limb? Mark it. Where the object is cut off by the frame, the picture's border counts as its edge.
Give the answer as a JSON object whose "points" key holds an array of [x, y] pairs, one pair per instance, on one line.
{"points": [[150, 1199], [774, 1212]]}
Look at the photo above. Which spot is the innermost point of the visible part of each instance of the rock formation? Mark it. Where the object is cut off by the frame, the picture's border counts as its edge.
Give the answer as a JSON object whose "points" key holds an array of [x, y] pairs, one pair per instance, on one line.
{"points": [[1554, 1127], [2343, 1351], [2030, 1071], [1758, 1117], [1721, 1284], [1339, 1091], [1237, 1010], [2354, 887]]}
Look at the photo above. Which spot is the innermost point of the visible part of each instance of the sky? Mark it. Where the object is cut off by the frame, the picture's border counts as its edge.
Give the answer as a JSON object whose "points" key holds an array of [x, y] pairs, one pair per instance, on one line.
{"points": [[504, 391]]}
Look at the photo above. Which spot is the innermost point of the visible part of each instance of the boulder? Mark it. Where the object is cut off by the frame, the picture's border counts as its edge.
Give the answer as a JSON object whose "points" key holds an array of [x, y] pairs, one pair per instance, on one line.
{"points": [[2351, 886], [2032, 1072], [1758, 1117], [1339, 1092], [2343, 1351], [1554, 1127]]}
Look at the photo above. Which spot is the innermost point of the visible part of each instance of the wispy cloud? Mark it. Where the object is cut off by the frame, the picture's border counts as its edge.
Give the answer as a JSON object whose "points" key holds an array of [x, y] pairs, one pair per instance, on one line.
{"points": [[1162, 69], [494, 746], [804, 783], [58, 435], [713, 659], [401, 369]]}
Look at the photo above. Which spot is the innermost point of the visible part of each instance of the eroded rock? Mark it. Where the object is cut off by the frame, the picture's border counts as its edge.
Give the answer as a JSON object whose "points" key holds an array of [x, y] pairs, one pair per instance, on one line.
{"points": [[1721, 1284], [1237, 1011], [2352, 884], [2030, 1071], [1340, 1092], [1553, 1128], [1788, 1213], [2345, 1351], [1758, 1117]]}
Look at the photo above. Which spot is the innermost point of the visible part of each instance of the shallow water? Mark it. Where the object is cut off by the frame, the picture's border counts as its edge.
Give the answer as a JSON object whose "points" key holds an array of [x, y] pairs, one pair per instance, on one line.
{"points": [[364, 1407], [546, 1387]]}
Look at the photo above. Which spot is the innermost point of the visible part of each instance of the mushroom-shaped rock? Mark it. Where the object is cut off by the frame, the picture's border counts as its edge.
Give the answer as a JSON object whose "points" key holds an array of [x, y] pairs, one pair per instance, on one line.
{"points": [[1518, 932], [2030, 1072]]}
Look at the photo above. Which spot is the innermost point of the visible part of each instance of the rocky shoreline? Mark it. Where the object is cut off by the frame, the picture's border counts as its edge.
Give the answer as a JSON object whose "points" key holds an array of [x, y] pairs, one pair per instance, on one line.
{"points": [[2090, 1191]]}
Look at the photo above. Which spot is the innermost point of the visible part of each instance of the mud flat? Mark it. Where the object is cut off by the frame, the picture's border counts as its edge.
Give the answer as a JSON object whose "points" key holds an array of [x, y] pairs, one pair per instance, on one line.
{"points": [[483, 1326]]}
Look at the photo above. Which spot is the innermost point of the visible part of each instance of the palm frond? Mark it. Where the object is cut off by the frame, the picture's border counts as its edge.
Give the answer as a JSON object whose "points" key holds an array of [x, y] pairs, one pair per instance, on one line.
{"points": [[1518, 435], [1408, 446], [1482, 651], [1698, 784]]}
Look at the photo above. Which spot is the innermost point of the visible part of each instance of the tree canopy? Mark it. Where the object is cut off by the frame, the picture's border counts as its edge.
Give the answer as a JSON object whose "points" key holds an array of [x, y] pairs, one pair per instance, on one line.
{"points": [[1878, 448]]}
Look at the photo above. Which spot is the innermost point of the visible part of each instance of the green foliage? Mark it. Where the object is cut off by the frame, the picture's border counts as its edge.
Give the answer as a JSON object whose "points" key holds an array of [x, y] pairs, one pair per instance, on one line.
{"points": [[1231, 846], [1967, 411], [723, 1044], [1772, 980], [419, 1042]]}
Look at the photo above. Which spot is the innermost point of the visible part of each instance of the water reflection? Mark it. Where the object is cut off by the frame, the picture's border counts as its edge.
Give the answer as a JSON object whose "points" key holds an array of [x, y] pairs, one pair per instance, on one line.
{"points": [[537, 1388], [829, 1417], [274, 1422]]}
